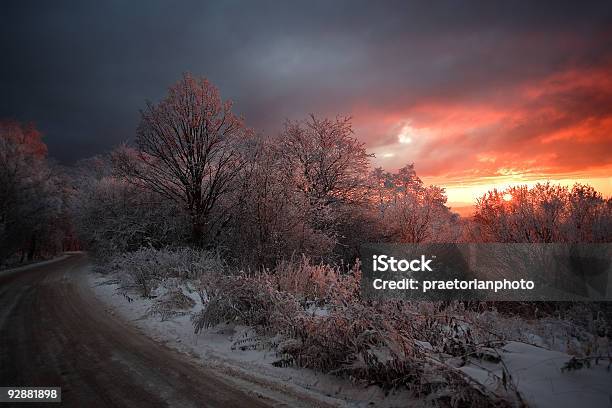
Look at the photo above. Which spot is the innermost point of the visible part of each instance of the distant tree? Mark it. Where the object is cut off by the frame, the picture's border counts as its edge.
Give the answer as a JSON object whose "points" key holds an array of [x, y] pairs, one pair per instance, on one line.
{"points": [[328, 163], [409, 211], [187, 150], [328, 177], [406, 180], [421, 216], [589, 215], [268, 216], [544, 213]]}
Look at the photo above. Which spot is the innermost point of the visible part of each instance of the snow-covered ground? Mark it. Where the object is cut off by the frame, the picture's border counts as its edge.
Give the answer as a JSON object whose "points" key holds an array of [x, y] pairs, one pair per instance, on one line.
{"points": [[535, 371], [213, 348], [537, 374]]}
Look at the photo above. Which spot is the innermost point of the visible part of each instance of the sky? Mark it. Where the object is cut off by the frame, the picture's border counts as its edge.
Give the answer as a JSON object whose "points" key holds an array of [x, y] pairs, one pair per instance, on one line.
{"points": [[477, 94]]}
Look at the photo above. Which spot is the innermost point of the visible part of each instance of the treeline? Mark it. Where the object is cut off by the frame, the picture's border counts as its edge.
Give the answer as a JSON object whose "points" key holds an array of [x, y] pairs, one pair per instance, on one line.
{"points": [[34, 194], [198, 176], [544, 213]]}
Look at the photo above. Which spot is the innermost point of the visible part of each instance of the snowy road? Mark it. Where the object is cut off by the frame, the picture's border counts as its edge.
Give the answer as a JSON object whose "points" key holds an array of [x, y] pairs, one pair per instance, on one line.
{"points": [[53, 332]]}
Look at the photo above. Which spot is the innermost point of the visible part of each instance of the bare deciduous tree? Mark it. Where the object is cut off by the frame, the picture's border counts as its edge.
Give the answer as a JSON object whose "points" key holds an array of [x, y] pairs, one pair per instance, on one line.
{"points": [[187, 149], [409, 211], [328, 170], [329, 164]]}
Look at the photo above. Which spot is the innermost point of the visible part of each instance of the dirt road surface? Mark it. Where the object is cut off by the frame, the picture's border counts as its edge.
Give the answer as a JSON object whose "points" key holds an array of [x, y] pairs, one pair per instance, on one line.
{"points": [[53, 332]]}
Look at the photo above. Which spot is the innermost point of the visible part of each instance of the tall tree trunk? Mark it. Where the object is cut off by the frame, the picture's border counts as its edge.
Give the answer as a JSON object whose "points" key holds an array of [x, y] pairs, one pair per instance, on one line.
{"points": [[197, 231]]}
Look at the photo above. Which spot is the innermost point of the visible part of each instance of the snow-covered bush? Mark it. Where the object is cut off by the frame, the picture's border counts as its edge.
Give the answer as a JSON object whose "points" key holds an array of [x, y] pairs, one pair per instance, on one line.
{"points": [[392, 344], [144, 269], [312, 316], [249, 300], [112, 216], [253, 299], [397, 344], [319, 283], [579, 329], [172, 303]]}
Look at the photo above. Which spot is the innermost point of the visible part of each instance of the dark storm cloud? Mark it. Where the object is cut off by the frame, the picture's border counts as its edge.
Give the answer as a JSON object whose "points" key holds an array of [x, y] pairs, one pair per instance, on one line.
{"points": [[81, 70]]}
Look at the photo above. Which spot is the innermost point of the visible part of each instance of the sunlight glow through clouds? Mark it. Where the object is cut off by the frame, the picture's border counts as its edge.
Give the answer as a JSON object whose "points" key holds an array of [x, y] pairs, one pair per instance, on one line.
{"points": [[469, 150], [555, 128], [405, 134]]}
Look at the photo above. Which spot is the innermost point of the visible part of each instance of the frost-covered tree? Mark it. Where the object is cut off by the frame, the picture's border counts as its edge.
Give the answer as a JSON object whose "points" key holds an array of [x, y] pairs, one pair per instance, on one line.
{"points": [[589, 215], [544, 213], [112, 215], [410, 211], [30, 193], [187, 150], [299, 191], [328, 170], [328, 163], [268, 217]]}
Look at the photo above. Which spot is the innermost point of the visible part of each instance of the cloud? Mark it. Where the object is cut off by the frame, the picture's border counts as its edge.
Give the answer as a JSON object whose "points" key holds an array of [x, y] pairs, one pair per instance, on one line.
{"points": [[560, 124], [467, 91]]}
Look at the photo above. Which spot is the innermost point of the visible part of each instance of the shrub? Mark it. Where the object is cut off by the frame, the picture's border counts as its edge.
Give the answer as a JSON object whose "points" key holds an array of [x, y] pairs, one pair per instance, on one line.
{"points": [[250, 300], [319, 283], [173, 303], [144, 269], [392, 344]]}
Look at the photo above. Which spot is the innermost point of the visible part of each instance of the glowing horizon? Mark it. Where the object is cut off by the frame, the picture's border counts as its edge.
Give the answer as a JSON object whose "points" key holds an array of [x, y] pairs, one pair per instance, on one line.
{"points": [[467, 194], [556, 128]]}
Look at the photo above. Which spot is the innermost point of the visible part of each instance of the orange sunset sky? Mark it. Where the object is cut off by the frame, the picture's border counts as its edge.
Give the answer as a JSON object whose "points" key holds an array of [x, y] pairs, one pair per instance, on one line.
{"points": [[557, 128]]}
